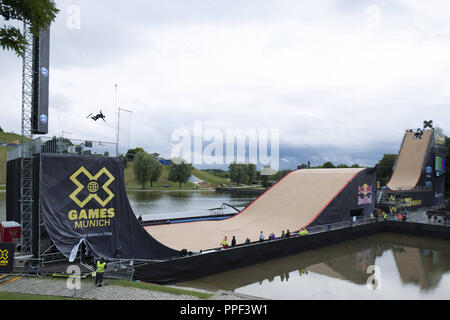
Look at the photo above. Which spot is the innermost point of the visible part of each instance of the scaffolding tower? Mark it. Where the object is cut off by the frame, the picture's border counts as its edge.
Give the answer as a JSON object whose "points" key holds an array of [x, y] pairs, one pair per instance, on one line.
{"points": [[26, 181]]}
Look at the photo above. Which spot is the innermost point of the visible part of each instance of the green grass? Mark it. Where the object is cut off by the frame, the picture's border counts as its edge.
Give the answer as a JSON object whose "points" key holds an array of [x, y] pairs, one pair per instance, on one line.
{"points": [[131, 183], [210, 178], [3, 152], [155, 287], [25, 296], [8, 137]]}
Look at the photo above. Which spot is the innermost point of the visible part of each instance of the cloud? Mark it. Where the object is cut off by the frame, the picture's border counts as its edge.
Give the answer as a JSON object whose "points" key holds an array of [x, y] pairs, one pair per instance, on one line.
{"points": [[335, 88]]}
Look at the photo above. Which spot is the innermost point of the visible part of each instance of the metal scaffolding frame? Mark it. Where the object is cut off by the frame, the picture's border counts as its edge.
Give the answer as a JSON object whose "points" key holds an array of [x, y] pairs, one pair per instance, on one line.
{"points": [[26, 184]]}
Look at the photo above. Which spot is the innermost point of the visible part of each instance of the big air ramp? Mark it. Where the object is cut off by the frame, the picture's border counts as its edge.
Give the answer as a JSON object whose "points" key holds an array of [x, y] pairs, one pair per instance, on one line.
{"points": [[409, 165], [302, 198]]}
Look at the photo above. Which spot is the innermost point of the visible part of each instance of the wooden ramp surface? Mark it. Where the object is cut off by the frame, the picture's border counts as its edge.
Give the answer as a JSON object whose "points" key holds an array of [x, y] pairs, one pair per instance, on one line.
{"points": [[408, 168], [291, 204]]}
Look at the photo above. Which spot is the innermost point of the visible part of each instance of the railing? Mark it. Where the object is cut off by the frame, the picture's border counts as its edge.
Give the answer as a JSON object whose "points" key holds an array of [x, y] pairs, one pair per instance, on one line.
{"points": [[77, 147], [119, 269], [66, 146], [311, 230]]}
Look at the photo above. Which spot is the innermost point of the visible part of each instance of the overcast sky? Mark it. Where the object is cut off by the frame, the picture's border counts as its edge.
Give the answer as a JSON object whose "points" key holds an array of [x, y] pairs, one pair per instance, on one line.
{"points": [[341, 80]]}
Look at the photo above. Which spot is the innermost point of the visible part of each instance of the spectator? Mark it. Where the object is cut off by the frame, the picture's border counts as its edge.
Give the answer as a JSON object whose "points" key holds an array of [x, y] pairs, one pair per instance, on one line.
{"points": [[303, 232], [247, 241], [224, 242], [261, 236], [283, 235], [118, 256], [233, 242], [118, 253], [272, 236], [288, 233]]}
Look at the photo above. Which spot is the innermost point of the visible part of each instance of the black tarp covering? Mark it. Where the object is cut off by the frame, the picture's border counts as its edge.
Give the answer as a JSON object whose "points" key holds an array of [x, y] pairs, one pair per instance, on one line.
{"points": [[13, 171], [358, 194], [84, 197]]}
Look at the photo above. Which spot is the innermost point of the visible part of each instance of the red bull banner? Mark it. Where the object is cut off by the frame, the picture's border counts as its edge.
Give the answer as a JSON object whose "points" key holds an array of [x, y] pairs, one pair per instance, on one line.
{"points": [[365, 194]]}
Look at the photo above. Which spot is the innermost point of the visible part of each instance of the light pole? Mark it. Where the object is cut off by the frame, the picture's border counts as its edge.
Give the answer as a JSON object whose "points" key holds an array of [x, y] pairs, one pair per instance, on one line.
{"points": [[118, 128]]}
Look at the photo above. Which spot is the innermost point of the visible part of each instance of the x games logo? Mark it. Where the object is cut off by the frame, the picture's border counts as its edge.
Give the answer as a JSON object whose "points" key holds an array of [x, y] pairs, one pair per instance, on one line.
{"points": [[3, 257], [92, 186]]}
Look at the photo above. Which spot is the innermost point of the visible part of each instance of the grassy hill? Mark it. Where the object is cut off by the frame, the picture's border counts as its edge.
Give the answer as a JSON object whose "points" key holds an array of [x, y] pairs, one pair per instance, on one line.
{"points": [[3, 151], [210, 179]]}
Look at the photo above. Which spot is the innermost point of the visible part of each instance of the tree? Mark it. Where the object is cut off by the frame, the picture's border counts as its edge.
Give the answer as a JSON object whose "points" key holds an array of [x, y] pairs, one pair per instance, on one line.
{"points": [[280, 174], [156, 170], [37, 14], [143, 167], [251, 172], [1, 130], [238, 173], [132, 152], [180, 172], [328, 165], [124, 160], [385, 166]]}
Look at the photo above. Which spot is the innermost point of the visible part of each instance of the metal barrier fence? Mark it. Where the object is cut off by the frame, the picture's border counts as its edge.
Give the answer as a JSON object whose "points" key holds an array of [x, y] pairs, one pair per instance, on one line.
{"points": [[66, 146], [119, 269]]}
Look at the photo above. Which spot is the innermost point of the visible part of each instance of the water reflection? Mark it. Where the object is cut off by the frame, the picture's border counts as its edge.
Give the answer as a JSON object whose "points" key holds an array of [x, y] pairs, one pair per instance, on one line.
{"points": [[410, 267], [422, 267]]}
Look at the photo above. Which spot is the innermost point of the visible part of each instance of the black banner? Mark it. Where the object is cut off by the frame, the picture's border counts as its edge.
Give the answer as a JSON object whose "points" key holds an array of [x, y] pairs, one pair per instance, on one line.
{"points": [[7, 257], [40, 99], [84, 199], [357, 198]]}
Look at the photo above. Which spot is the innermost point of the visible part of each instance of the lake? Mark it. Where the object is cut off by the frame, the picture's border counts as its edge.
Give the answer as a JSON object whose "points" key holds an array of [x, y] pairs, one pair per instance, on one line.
{"points": [[405, 268]]}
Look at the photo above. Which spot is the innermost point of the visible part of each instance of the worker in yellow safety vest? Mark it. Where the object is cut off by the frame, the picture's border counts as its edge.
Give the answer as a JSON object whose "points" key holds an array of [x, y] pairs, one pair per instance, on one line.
{"points": [[101, 266], [224, 243], [302, 232]]}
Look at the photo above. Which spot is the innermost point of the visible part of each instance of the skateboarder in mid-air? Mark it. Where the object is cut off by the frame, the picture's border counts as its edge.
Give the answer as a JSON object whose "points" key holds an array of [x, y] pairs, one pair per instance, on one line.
{"points": [[97, 116]]}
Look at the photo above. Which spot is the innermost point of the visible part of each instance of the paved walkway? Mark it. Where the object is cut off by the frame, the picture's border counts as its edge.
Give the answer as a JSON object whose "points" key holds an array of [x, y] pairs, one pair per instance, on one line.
{"points": [[58, 287]]}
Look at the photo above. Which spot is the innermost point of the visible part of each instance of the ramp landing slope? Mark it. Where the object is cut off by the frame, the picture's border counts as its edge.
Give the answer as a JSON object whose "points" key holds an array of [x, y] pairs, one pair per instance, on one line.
{"points": [[410, 162], [294, 202]]}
